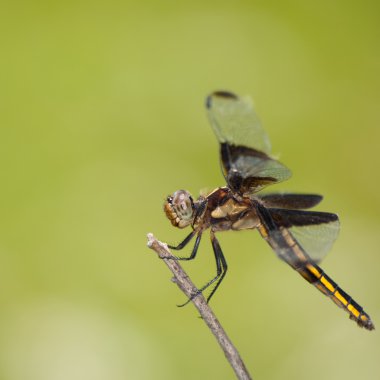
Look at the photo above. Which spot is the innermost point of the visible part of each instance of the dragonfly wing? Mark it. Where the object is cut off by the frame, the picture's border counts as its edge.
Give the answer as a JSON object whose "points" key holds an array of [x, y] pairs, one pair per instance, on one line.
{"points": [[244, 145], [235, 121], [314, 231], [290, 201]]}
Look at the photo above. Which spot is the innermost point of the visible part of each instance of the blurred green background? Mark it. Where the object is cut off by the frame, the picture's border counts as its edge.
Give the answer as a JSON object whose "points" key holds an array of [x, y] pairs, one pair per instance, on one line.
{"points": [[102, 116]]}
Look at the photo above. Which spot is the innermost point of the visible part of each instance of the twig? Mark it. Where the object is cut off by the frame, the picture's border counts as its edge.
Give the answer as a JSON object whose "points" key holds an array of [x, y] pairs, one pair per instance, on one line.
{"points": [[186, 285]]}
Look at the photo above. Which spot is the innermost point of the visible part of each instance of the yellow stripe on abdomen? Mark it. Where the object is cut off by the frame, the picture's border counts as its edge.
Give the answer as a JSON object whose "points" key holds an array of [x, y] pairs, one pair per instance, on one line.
{"points": [[315, 275]]}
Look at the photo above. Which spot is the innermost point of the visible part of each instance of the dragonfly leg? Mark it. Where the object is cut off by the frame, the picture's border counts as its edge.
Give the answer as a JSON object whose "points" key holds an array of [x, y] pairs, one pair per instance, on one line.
{"points": [[221, 270], [222, 261], [183, 244]]}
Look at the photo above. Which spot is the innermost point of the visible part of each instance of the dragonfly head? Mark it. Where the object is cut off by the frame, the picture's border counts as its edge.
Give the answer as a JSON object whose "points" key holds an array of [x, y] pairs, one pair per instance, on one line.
{"points": [[179, 208]]}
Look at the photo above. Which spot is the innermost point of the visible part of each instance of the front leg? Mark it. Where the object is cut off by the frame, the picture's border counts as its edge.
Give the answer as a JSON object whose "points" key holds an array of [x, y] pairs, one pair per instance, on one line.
{"points": [[183, 244]]}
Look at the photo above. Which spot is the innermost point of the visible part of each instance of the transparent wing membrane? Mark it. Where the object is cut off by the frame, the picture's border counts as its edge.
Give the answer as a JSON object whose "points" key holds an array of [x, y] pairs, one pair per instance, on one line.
{"points": [[245, 147], [317, 240], [235, 121], [314, 231]]}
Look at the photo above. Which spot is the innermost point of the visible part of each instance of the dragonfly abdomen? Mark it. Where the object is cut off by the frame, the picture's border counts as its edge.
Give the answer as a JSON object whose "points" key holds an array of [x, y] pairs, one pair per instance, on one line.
{"points": [[316, 276], [291, 252]]}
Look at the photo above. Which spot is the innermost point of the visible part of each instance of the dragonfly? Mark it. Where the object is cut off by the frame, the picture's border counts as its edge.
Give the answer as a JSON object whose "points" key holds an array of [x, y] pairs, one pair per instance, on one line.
{"points": [[298, 236]]}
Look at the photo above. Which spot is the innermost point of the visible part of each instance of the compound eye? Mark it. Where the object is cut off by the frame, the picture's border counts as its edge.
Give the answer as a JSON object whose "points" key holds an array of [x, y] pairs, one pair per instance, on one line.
{"points": [[179, 208], [183, 205]]}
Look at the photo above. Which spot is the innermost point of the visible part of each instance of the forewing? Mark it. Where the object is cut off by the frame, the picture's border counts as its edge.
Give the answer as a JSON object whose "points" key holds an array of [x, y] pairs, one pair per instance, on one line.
{"points": [[291, 201], [244, 145], [235, 121]]}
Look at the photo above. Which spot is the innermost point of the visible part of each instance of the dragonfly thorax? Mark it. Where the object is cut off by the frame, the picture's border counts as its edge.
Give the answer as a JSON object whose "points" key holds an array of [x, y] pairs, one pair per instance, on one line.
{"points": [[179, 208]]}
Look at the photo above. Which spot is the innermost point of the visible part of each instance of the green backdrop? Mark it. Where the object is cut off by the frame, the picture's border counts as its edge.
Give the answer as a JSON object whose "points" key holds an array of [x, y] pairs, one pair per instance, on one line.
{"points": [[102, 116]]}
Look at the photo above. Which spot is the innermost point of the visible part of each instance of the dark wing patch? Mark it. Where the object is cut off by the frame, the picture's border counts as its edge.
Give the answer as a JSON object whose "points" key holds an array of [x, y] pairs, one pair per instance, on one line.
{"points": [[291, 201], [290, 218], [248, 171]]}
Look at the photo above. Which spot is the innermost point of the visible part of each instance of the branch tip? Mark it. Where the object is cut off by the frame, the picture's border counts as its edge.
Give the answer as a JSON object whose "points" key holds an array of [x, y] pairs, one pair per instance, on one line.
{"points": [[184, 282]]}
